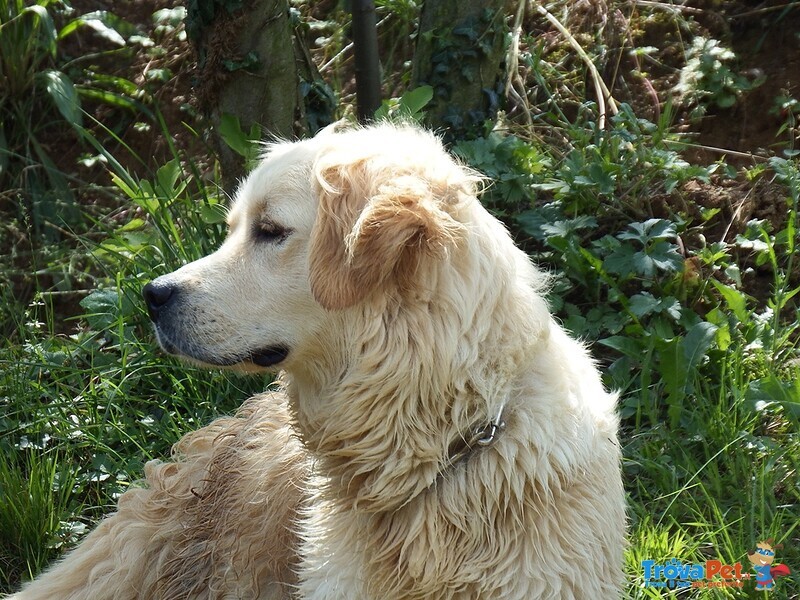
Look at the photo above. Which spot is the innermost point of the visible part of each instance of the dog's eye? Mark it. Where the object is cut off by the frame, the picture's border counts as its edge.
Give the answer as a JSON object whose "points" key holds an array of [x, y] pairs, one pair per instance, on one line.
{"points": [[270, 233]]}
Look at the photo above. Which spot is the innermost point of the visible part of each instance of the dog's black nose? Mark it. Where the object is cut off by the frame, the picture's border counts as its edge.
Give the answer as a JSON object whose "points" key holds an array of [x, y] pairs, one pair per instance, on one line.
{"points": [[157, 296]]}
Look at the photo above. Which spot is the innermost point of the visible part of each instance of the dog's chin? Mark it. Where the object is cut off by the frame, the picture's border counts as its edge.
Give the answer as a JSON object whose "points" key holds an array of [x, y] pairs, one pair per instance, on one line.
{"points": [[266, 358]]}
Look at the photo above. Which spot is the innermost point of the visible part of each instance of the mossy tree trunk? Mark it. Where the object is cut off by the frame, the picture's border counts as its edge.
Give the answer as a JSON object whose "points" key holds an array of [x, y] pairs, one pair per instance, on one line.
{"points": [[460, 49], [246, 68]]}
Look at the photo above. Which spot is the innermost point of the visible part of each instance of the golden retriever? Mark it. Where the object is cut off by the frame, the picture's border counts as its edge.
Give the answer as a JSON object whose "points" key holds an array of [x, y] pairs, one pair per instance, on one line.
{"points": [[438, 436]]}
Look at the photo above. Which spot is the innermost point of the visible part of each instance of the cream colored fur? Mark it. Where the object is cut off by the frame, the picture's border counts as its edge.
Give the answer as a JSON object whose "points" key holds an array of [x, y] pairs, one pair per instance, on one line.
{"points": [[408, 316]]}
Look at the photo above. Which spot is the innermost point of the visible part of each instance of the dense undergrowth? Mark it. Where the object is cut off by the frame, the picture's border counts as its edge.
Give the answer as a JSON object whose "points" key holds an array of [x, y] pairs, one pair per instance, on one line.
{"points": [[689, 302]]}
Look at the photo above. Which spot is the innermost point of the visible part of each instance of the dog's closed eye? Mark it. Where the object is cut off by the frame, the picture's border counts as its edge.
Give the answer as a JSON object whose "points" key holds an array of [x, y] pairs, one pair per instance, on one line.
{"points": [[270, 232]]}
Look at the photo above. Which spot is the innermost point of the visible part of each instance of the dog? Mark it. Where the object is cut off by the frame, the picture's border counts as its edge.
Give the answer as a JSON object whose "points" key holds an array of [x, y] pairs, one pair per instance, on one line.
{"points": [[435, 434]]}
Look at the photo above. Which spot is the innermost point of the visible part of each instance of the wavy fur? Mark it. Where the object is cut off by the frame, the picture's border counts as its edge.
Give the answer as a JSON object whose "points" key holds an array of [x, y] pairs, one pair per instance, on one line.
{"points": [[409, 316]]}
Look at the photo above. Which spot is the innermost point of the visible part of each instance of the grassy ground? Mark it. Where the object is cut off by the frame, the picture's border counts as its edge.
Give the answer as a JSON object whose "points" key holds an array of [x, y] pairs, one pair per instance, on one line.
{"points": [[678, 267]]}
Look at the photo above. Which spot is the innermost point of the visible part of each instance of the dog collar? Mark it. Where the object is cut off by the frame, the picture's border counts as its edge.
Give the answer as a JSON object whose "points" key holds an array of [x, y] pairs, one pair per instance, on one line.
{"points": [[482, 435]]}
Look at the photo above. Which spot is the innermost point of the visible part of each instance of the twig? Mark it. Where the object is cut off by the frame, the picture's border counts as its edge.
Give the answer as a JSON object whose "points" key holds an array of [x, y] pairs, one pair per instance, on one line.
{"points": [[766, 9], [736, 214], [336, 57], [750, 155], [674, 8], [601, 90], [347, 49], [513, 77]]}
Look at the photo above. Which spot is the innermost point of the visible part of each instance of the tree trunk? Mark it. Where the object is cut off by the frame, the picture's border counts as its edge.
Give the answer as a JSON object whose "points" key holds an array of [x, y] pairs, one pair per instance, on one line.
{"points": [[368, 75], [246, 68], [460, 48]]}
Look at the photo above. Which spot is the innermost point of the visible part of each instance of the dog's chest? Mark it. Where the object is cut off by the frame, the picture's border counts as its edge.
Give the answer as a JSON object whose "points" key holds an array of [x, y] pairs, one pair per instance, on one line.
{"points": [[332, 561], [332, 572]]}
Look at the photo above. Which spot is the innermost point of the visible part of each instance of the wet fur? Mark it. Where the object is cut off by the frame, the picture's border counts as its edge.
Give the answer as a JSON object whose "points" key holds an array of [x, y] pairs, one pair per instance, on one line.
{"points": [[411, 317]]}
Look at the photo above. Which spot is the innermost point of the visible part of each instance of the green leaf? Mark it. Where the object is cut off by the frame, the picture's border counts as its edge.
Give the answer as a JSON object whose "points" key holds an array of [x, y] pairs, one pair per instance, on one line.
{"points": [[726, 100], [213, 213], [622, 261], [665, 256], [125, 186], [115, 82], [100, 21], [624, 345], [652, 229], [736, 300], [102, 308], [771, 390], [62, 91], [133, 225], [43, 23], [244, 144], [167, 176], [113, 99], [413, 101], [674, 375], [408, 107], [568, 227], [645, 304], [698, 340], [605, 181], [723, 333]]}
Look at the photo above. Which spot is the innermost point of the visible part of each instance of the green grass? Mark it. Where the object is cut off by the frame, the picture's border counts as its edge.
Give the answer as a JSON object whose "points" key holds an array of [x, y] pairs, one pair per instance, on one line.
{"points": [[82, 411]]}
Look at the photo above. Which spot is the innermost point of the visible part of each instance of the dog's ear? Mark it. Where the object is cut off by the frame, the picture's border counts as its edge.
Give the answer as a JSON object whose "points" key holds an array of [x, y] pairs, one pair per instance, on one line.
{"points": [[374, 226]]}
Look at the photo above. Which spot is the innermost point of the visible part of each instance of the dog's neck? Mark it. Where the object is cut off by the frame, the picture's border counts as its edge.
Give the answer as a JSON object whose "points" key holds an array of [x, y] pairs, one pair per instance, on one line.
{"points": [[385, 408], [375, 454], [482, 435]]}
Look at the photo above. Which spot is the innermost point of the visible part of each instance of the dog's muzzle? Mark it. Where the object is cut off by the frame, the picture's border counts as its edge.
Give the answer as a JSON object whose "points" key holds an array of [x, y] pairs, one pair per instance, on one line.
{"points": [[161, 298]]}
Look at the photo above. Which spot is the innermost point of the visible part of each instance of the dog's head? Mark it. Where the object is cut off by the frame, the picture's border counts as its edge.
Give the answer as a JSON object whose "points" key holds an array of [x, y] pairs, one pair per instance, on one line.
{"points": [[320, 227]]}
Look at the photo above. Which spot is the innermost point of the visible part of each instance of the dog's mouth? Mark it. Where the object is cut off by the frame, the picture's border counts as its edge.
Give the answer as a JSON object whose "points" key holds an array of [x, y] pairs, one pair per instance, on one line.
{"points": [[269, 356]]}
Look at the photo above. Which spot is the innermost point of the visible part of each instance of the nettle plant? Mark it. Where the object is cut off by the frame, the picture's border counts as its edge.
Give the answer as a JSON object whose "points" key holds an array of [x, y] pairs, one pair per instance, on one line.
{"points": [[627, 291], [708, 79], [667, 316]]}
